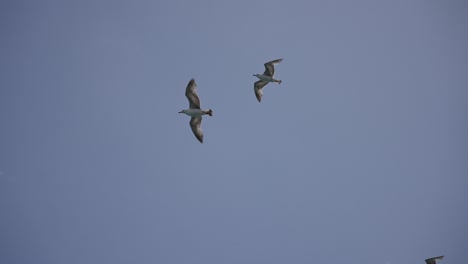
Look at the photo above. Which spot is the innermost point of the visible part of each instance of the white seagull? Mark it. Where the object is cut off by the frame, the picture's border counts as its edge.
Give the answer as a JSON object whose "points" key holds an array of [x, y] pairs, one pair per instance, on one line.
{"points": [[194, 110], [433, 260], [265, 78]]}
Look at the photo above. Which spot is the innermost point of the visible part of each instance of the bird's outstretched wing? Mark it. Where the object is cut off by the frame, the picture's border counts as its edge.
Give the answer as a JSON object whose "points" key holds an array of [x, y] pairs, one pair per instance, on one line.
{"points": [[433, 260], [270, 67], [258, 89], [191, 93], [195, 124]]}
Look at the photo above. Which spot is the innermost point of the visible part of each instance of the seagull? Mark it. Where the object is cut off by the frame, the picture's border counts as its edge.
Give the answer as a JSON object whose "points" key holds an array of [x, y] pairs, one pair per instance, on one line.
{"points": [[433, 260], [265, 78], [194, 110]]}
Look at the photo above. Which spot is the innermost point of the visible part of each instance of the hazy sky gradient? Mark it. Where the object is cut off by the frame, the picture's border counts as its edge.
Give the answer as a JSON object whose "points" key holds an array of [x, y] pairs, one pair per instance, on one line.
{"points": [[359, 156]]}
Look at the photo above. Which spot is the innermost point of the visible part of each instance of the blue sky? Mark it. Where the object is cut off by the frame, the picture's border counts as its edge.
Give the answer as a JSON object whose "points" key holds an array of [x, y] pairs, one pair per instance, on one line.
{"points": [[359, 156]]}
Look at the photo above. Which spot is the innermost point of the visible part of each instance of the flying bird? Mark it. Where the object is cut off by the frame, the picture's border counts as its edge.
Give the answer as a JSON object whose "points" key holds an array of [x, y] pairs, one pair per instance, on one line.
{"points": [[265, 78], [194, 110], [433, 260]]}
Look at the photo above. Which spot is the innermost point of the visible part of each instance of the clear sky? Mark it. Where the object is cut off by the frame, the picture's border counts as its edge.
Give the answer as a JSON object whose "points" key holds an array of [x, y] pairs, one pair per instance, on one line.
{"points": [[359, 156]]}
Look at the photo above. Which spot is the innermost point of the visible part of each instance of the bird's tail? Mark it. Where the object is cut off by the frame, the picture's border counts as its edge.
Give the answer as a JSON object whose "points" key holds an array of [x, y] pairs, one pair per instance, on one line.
{"points": [[210, 112], [279, 81]]}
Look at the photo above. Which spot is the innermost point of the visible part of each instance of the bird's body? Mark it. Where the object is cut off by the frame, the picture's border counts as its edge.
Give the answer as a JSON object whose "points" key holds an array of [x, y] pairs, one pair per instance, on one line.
{"points": [[265, 78], [194, 110], [433, 260]]}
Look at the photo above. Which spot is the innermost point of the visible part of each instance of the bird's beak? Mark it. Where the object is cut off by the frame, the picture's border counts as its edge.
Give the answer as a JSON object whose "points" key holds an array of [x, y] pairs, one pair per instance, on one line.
{"points": [[180, 112]]}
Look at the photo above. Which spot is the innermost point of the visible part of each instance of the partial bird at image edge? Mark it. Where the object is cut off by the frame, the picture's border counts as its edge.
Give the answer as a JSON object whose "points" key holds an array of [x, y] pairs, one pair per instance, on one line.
{"points": [[433, 260]]}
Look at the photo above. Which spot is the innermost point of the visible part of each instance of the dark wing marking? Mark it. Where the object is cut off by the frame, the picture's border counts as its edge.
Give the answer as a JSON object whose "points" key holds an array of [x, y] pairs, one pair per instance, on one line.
{"points": [[191, 93], [270, 67], [195, 124], [433, 260], [258, 89]]}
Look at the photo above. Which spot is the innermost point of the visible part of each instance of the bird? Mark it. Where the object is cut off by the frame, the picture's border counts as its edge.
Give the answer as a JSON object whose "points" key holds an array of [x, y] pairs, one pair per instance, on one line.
{"points": [[265, 78], [433, 260], [194, 110]]}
